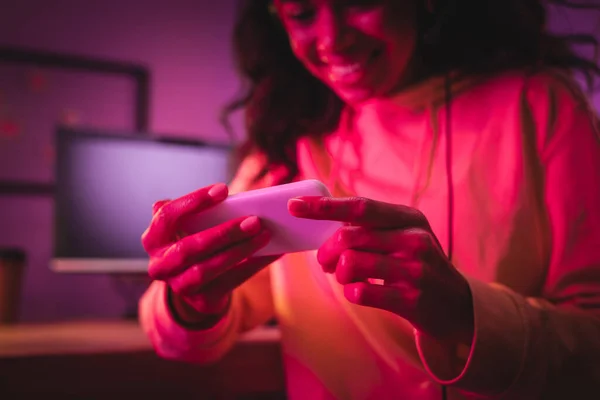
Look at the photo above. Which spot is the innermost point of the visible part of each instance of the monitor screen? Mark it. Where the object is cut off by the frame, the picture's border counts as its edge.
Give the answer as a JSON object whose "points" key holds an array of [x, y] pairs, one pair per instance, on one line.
{"points": [[106, 185]]}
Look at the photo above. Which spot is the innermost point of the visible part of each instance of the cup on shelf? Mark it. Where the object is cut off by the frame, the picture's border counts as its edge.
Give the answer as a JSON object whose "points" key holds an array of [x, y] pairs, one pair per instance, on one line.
{"points": [[12, 268]]}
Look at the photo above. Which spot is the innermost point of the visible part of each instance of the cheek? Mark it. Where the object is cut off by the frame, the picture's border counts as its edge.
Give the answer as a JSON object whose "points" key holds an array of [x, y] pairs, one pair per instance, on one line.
{"points": [[394, 27], [371, 23], [304, 48]]}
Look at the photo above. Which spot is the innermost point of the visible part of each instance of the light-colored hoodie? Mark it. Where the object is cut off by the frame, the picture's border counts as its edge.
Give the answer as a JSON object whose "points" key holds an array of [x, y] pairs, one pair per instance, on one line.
{"points": [[526, 181]]}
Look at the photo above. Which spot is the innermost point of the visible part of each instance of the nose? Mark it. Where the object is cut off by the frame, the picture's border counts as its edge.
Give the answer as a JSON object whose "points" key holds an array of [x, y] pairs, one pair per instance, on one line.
{"points": [[333, 33]]}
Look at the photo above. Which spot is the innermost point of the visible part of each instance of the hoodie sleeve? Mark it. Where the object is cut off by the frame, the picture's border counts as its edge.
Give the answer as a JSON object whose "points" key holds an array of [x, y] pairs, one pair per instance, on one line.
{"points": [[549, 346]]}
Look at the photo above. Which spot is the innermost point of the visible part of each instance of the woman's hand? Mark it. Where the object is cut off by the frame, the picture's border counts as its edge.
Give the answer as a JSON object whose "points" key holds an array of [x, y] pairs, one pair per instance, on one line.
{"points": [[202, 269], [393, 244]]}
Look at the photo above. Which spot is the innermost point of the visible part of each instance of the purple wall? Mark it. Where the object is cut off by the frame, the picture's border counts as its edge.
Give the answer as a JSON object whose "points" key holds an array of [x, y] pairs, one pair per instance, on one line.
{"points": [[185, 44], [578, 21]]}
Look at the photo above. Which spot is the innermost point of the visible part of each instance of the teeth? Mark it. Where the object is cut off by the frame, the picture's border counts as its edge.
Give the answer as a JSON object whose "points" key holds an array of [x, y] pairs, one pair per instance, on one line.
{"points": [[344, 69]]}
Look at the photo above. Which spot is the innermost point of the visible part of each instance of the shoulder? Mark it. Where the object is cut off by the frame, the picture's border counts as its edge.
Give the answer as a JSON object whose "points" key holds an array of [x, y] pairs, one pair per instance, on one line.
{"points": [[547, 103], [535, 86], [558, 110]]}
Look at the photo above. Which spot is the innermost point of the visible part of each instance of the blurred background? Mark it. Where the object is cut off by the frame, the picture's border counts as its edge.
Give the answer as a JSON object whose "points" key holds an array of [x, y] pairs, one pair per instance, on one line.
{"points": [[90, 91], [177, 51]]}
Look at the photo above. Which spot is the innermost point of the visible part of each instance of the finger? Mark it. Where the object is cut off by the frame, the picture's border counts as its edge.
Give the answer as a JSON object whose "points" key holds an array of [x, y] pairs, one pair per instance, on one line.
{"points": [[226, 283], [399, 299], [358, 266], [408, 243], [215, 295], [202, 245], [193, 279], [357, 210], [158, 205], [161, 229]]}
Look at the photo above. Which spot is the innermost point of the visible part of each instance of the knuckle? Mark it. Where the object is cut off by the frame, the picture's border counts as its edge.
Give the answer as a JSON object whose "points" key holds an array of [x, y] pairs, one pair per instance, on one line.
{"points": [[349, 259], [342, 276], [189, 202], [178, 253], [178, 288], [162, 217], [158, 205], [200, 243], [344, 236], [418, 214], [176, 285], [362, 236], [392, 299], [379, 265], [323, 256], [423, 239], [412, 299], [325, 205], [361, 206], [145, 239], [198, 275], [232, 233], [225, 234], [327, 258], [353, 236], [221, 260], [360, 294], [417, 273], [347, 268], [198, 200], [418, 218], [188, 282], [155, 268]]}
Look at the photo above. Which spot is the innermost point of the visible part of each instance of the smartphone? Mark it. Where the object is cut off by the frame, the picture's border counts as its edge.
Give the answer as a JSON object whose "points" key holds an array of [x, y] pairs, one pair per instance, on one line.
{"points": [[289, 234]]}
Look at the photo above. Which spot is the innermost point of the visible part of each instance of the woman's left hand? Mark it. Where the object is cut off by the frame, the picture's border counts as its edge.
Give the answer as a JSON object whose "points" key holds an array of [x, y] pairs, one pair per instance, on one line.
{"points": [[393, 244]]}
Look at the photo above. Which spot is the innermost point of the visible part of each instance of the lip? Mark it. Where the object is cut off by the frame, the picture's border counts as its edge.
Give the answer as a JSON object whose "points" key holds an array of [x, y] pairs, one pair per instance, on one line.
{"points": [[349, 72]]}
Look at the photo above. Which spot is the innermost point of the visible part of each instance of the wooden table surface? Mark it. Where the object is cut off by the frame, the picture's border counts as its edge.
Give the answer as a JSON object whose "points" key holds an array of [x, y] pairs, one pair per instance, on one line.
{"points": [[114, 359], [88, 337]]}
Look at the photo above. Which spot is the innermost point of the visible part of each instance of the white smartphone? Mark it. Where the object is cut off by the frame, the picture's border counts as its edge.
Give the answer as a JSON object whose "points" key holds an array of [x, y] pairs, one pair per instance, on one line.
{"points": [[290, 234]]}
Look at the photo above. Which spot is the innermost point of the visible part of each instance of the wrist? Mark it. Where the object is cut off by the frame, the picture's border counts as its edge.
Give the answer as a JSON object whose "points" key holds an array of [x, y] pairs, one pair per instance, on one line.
{"points": [[467, 318], [452, 319], [187, 316]]}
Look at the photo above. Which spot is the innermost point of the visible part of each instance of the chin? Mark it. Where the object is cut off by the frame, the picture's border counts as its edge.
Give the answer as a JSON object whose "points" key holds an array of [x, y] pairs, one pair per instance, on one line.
{"points": [[355, 97]]}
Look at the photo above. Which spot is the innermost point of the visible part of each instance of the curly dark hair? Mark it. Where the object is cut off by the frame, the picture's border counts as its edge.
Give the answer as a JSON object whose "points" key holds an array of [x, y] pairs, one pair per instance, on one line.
{"points": [[283, 101]]}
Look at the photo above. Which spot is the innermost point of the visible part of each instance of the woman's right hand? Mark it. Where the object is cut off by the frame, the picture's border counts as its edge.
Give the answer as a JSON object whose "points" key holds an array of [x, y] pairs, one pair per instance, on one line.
{"points": [[202, 269]]}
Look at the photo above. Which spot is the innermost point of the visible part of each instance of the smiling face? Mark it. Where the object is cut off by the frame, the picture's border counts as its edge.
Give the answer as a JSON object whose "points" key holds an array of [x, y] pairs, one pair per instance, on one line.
{"points": [[362, 49]]}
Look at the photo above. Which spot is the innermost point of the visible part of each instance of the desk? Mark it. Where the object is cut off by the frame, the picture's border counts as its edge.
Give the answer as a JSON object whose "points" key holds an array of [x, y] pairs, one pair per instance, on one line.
{"points": [[114, 360]]}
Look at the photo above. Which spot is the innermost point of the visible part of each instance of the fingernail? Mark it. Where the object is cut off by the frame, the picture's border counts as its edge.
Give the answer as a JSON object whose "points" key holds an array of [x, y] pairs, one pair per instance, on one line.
{"points": [[218, 191], [297, 205], [250, 225]]}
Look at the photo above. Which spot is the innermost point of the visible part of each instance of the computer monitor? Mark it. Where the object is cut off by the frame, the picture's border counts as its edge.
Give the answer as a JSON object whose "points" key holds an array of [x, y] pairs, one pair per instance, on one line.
{"points": [[106, 184]]}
